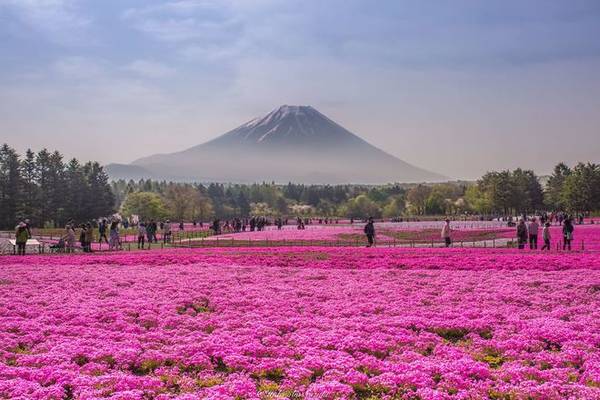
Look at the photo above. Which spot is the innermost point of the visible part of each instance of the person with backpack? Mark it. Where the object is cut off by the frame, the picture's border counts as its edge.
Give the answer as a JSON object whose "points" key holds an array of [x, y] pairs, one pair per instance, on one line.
{"points": [[370, 232], [21, 238]]}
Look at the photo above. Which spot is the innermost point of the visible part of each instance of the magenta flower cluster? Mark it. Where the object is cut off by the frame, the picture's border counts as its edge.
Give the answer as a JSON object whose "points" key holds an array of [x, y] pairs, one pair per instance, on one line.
{"points": [[303, 323]]}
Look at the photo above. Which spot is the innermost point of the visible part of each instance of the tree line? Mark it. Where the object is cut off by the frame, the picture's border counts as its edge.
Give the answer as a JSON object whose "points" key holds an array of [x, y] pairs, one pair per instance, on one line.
{"points": [[503, 193], [48, 191]]}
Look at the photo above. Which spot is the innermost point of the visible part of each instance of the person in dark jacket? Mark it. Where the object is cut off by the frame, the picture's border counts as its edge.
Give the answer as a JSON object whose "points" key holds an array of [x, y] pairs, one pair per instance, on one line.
{"points": [[370, 232], [567, 229], [522, 234], [83, 238], [102, 231]]}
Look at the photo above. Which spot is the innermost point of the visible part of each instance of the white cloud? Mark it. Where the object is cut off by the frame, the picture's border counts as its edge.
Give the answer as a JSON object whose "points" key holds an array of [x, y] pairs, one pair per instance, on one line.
{"points": [[150, 69], [183, 21], [59, 20]]}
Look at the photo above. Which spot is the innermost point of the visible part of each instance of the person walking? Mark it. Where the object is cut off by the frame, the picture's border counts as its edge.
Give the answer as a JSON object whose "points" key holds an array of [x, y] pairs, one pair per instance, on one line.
{"points": [[89, 237], [82, 238], [142, 232], [446, 232], [533, 229], [521, 234], [21, 237], [167, 232], [115, 241], [546, 236], [70, 238], [102, 231], [567, 229], [370, 232], [151, 231]]}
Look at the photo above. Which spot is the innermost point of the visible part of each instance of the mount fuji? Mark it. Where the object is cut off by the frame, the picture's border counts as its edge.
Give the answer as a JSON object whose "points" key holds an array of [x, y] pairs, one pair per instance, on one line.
{"points": [[290, 144]]}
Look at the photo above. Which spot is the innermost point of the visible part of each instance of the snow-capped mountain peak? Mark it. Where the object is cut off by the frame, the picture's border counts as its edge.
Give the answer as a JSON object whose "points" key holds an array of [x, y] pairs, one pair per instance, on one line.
{"points": [[289, 124]]}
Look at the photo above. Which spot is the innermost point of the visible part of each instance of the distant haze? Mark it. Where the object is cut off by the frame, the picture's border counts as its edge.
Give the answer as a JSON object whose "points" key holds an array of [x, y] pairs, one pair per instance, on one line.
{"points": [[454, 87]]}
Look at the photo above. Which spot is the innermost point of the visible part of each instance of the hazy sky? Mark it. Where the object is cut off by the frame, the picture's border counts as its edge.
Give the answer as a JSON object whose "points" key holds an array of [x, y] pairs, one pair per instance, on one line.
{"points": [[458, 87]]}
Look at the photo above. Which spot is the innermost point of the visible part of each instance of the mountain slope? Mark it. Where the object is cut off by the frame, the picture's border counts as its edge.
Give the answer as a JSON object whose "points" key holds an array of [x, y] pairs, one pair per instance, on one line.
{"points": [[291, 143]]}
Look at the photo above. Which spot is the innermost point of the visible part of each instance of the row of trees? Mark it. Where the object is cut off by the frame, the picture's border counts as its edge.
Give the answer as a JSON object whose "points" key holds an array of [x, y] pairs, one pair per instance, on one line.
{"points": [[178, 201], [49, 191], [43, 188], [496, 193], [574, 190]]}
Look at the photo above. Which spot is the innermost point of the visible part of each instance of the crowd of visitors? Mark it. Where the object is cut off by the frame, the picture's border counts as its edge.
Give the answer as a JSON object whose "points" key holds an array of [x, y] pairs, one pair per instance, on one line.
{"points": [[528, 230]]}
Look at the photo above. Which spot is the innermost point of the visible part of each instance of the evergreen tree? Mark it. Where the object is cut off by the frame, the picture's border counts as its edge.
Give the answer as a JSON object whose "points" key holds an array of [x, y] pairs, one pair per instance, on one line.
{"points": [[10, 187]]}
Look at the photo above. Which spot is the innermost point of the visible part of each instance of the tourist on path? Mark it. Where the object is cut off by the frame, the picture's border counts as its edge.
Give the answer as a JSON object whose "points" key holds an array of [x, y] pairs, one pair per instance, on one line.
{"points": [[21, 237], [114, 241], [70, 238], [82, 238], [533, 229], [370, 232], [568, 229], [151, 229], [446, 231], [522, 234], [546, 236], [142, 232], [102, 231], [89, 237], [166, 231]]}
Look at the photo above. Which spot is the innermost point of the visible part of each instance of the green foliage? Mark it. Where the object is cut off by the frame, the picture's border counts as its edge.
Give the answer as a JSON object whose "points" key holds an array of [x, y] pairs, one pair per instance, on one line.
{"points": [[581, 188], [147, 205], [361, 207], [417, 198], [42, 188], [509, 192], [394, 208], [554, 188]]}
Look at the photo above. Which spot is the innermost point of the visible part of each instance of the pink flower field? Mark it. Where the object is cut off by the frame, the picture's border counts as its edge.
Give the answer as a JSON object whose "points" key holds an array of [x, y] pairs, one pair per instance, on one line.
{"points": [[301, 323]]}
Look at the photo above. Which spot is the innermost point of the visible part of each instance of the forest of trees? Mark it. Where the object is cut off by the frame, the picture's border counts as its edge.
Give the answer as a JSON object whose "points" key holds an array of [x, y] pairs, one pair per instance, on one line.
{"points": [[496, 193], [49, 191]]}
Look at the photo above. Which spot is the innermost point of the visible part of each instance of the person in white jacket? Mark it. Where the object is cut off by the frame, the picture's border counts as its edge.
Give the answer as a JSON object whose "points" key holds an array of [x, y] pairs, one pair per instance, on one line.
{"points": [[446, 233], [546, 236]]}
